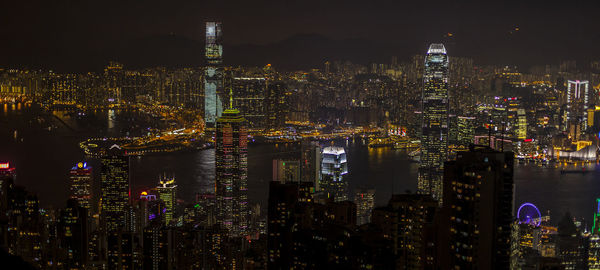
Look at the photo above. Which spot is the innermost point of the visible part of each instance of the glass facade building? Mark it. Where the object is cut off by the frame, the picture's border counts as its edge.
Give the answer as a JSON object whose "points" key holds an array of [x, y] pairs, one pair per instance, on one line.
{"points": [[434, 136], [231, 183], [213, 74], [333, 168], [81, 184], [115, 188]]}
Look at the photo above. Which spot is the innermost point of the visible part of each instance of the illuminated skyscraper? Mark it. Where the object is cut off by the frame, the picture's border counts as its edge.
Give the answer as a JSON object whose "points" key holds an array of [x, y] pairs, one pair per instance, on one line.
{"points": [[578, 101], [434, 137], [365, 202], [310, 161], [594, 251], [333, 168], [213, 74], [81, 184], [231, 182], [8, 176], [466, 130], [167, 193], [115, 188], [286, 170]]}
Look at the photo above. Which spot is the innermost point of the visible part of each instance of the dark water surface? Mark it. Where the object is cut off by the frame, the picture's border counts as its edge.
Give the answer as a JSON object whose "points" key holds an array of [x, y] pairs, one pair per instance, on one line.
{"points": [[43, 159]]}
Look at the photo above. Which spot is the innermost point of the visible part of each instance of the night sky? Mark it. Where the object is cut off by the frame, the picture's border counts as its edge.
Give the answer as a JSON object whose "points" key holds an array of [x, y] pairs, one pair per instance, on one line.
{"points": [[83, 35]]}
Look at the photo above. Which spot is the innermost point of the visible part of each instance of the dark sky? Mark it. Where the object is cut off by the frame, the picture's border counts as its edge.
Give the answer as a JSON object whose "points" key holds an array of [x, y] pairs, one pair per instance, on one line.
{"points": [[74, 35]]}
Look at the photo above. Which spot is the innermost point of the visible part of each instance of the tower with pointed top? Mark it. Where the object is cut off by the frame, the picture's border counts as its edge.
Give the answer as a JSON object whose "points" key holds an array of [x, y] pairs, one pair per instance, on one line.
{"points": [[231, 161], [434, 136]]}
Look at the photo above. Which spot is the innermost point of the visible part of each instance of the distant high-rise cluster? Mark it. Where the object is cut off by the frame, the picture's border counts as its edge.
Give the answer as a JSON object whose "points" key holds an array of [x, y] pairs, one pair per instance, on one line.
{"points": [[434, 133]]}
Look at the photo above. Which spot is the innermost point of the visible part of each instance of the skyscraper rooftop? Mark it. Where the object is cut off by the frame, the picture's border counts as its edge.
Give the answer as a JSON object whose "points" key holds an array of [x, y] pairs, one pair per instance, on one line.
{"points": [[436, 48]]}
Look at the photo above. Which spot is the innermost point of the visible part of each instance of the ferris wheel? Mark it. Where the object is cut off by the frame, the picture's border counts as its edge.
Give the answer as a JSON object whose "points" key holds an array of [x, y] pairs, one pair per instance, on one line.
{"points": [[528, 213]]}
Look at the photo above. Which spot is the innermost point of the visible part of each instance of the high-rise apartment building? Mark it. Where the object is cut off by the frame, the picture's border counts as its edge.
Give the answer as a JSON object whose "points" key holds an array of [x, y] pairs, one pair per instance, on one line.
{"points": [[478, 201], [81, 184], [231, 182], [434, 136], [333, 168], [115, 188]]}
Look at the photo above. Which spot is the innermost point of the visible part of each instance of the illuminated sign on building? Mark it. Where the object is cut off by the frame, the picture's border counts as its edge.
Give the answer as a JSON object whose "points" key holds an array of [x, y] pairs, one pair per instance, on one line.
{"points": [[4, 165]]}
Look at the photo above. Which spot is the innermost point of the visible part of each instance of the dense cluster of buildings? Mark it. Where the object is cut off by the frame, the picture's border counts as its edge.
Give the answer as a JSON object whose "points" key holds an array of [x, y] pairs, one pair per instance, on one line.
{"points": [[468, 120]]}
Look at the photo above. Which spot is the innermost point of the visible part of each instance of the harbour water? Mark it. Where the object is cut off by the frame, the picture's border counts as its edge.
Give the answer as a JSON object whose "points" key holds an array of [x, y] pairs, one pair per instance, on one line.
{"points": [[43, 158]]}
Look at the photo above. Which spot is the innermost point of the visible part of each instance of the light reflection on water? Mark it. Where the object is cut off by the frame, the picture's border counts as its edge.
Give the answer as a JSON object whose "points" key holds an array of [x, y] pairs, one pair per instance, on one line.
{"points": [[44, 159]]}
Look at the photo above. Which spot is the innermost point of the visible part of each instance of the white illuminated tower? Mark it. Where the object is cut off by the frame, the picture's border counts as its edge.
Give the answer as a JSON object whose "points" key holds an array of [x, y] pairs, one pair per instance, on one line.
{"points": [[213, 74], [333, 168], [434, 137], [577, 105]]}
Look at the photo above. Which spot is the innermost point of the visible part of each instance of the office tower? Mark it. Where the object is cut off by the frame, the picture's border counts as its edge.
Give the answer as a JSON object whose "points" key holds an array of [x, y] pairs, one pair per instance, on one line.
{"points": [[166, 190], [521, 124], [333, 168], [115, 188], [434, 132], [286, 170], [408, 220], [8, 177], [81, 184], [594, 251], [73, 233], [213, 73], [365, 202], [283, 198], [571, 244], [156, 247], [525, 245], [466, 130], [231, 180], [478, 197], [310, 161], [578, 101]]}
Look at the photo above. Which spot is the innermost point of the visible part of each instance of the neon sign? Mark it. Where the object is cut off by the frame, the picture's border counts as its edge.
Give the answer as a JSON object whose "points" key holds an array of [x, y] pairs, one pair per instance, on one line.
{"points": [[4, 165]]}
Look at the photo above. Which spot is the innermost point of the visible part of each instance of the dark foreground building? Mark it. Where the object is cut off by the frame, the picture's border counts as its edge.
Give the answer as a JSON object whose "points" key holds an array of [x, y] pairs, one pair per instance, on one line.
{"points": [[477, 214]]}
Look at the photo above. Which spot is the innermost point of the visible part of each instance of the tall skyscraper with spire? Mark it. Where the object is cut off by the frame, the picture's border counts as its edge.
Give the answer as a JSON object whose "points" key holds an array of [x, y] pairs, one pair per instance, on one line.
{"points": [[213, 73], [434, 136], [231, 181]]}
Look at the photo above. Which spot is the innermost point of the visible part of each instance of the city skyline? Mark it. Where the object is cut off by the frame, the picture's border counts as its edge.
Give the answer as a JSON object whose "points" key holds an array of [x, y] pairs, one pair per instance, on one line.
{"points": [[284, 135]]}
